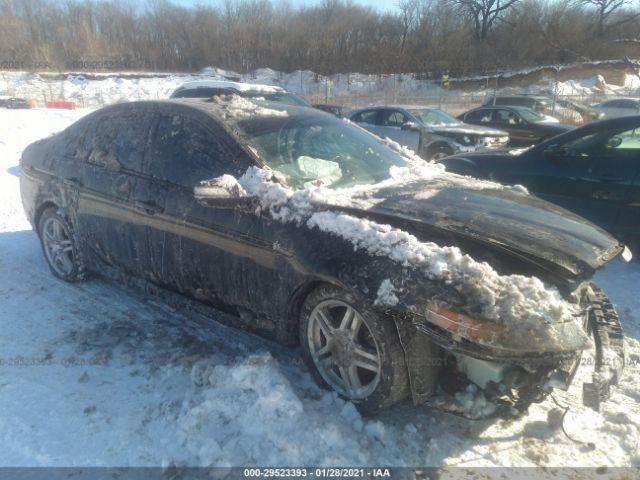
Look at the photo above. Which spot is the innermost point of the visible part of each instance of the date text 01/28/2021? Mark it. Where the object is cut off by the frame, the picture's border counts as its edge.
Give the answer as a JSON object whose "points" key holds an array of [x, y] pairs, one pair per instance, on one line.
{"points": [[317, 472]]}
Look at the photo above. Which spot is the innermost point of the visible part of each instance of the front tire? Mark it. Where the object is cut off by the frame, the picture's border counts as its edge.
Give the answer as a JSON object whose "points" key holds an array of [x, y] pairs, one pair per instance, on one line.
{"points": [[60, 247], [440, 152], [352, 349]]}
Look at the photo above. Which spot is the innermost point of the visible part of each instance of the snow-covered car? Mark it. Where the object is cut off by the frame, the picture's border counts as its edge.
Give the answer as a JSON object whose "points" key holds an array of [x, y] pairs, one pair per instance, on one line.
{"points": [[396, 278], [430, 132], [618, 107], [210, 88]]}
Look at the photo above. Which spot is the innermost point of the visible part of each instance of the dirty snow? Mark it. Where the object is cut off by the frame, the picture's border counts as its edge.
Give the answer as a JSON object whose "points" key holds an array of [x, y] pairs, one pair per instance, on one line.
{"points": [[238, 107], [94, 374], [386, 295]]}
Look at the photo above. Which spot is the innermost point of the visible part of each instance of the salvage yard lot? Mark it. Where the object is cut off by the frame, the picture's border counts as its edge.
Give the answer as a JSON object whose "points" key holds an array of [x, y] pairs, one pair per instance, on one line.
{"points": [[95, 374]]}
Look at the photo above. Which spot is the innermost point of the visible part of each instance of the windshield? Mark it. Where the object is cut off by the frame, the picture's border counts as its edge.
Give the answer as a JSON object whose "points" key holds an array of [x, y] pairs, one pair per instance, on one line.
{"points": [[320, 150], [433, 116]]}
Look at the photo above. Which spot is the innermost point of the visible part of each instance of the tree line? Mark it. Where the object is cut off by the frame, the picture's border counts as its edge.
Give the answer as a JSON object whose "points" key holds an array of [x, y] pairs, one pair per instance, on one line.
{"points": [[331, 36]]}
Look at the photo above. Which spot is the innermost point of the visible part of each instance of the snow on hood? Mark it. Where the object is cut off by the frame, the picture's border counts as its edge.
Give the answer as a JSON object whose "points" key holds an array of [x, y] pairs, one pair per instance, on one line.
{"points": [[504, 299]]}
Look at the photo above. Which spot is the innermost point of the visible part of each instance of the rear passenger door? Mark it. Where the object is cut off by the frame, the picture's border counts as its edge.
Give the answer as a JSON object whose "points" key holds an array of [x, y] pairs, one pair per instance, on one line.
{"points": [[113, 149]]}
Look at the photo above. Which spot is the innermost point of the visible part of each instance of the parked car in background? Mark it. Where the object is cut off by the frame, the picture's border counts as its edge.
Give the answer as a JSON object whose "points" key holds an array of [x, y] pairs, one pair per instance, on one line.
{"points": [[337, 110], [525, 126], [574, 112], [210, 88], [618, 107], [538, 103], [428, 131], [593, 171], [14, 103], [560, 108], [150, 190]]}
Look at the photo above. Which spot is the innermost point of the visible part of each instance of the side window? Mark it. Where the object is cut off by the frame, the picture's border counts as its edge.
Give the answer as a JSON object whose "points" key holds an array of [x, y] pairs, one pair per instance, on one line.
{"points": [[479, 116], [186, 151], [368, 116], [605, 144], [117, 140], [506, 117], [393, 118]]}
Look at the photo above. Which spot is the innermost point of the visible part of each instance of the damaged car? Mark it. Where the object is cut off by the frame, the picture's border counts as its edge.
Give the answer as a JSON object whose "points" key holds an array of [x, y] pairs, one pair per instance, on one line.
{"points": [[430, 132], [397, 279]]}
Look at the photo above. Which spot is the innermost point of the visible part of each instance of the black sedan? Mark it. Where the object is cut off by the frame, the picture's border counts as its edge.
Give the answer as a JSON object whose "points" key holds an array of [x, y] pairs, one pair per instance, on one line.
{"points": [[593, 171], [314, 232], [525, 127]]}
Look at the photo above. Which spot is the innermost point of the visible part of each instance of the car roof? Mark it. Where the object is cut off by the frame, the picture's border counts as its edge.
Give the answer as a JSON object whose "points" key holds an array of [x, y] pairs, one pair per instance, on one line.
{"points": [[239, 86]]}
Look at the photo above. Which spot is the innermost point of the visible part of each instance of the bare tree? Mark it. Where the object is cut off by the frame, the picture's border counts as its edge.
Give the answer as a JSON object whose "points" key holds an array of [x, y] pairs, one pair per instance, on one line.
{"points": [[605, 11], [483, 13]]}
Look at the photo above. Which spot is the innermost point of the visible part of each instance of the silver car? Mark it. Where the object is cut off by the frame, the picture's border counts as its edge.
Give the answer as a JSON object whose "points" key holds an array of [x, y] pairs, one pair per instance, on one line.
{"points": [[430, 132], [618, 107]]}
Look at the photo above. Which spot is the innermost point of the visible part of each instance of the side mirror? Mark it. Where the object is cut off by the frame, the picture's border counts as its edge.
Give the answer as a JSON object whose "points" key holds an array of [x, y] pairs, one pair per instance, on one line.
{"points": [[410, 126], [614, 142]]}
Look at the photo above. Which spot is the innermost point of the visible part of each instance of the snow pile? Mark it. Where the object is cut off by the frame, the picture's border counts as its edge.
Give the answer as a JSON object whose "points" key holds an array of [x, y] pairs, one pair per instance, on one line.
{"points": [[238, 107], [386, 294]]}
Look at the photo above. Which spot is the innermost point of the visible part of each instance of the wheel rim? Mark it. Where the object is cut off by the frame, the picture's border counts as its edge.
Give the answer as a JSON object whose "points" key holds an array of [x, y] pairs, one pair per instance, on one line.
{"points": [[57, 246], [343, 349]]}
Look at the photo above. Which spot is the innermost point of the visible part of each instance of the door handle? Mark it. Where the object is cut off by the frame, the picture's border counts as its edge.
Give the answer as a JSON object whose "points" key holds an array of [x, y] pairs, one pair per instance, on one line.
{"points": [[149, 207]]}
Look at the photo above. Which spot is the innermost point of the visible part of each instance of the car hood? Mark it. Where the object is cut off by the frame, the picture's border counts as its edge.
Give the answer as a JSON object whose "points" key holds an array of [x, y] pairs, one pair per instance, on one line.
{"points": [[506, 219], [465, 129]]}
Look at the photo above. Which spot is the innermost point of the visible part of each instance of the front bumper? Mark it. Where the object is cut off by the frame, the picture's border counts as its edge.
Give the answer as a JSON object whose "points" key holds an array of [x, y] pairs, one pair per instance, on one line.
{"points": [[604, 326], [429, 352]]}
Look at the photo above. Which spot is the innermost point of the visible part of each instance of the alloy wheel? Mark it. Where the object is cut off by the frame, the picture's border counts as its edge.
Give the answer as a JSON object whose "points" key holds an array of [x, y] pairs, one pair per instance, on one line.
{"points": [[343, 349], [58, 247]]}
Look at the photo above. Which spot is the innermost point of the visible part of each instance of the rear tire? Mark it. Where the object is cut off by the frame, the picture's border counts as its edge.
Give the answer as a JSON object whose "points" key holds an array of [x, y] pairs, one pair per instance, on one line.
{"points": [[60, 246], [352, 349]]}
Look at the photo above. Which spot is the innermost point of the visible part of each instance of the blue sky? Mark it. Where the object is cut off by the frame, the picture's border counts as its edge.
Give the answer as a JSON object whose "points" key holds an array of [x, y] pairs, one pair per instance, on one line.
{"points": [[382, 5]]}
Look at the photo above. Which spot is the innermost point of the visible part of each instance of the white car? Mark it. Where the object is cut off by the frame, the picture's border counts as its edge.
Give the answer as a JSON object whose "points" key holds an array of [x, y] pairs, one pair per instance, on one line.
{"points": [[209, 88], [618, 107]]}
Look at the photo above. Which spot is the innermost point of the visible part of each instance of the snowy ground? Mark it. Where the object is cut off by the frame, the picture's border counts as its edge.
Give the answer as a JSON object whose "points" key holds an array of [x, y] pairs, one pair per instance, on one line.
{"points": [[93, 374]]}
